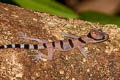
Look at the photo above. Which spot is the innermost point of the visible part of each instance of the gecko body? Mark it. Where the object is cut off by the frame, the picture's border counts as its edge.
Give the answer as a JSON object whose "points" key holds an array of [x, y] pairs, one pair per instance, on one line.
{"points": [[94, 36]]}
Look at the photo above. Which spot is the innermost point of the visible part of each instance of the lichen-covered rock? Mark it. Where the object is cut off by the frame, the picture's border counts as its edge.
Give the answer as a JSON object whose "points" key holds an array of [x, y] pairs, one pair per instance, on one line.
{"points": [[102, 64]]}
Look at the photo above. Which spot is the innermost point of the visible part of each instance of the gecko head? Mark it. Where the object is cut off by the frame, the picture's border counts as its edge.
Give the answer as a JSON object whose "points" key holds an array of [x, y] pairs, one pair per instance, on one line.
{"points": [[97, 35]]}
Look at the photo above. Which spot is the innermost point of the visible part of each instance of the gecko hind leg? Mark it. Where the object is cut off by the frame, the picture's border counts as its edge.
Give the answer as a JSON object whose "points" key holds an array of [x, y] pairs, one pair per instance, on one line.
{"points": [[40, 56], [69, 35], [25, 37]]}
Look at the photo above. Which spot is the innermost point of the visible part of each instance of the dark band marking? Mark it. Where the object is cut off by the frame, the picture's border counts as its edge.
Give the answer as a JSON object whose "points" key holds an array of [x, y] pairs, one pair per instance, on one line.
{"points": [[1, 47], [61, 44], [71, 43], [44, 44], [53, 44], [35, 46], [81, 40], [26, 46], [9, 46], [17, 45], [89, 36]]}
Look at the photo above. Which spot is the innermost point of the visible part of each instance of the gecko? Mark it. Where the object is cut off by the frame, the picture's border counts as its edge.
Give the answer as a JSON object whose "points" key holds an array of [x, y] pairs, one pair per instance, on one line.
{"points": [[94, 36]]}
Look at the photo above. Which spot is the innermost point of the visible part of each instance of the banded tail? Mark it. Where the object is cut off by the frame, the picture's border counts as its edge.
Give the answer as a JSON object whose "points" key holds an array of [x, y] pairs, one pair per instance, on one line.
{"points": [[22, 46]]}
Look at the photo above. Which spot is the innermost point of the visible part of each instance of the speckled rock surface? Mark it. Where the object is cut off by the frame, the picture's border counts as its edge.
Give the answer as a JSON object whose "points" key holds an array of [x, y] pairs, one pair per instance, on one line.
{"points": [[16, 64]]}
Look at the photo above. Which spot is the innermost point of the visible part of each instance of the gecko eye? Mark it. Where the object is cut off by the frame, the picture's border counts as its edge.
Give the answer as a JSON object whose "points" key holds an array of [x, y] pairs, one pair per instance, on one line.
{"points": [[96, 34], [99, 30]]}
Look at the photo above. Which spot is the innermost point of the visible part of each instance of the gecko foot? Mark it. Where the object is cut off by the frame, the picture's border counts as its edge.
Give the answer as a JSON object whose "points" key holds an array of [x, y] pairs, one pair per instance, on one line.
{"points": [[83, 51], [22, 35], [37, 57]]}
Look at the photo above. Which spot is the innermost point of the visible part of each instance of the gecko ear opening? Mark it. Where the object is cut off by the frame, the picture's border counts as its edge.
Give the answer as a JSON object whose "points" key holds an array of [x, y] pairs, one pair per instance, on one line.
{"points": [[96, 34]]}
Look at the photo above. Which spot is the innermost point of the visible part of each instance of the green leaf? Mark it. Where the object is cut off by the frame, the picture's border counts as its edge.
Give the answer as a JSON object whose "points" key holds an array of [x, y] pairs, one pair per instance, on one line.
{"points": [[49, 6], [100, 17]]}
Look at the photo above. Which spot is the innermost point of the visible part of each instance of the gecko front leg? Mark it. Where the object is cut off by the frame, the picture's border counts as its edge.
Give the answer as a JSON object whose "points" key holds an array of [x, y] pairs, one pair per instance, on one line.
{"points": [[83, 51], [69, 35], [40, 56], [25, 37]]}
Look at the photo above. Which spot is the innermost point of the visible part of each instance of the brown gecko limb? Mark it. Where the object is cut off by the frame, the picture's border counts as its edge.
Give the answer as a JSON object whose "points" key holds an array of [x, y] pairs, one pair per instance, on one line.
{"points": [[25, 37], [40, 56], [83, 51], [69, 35]]}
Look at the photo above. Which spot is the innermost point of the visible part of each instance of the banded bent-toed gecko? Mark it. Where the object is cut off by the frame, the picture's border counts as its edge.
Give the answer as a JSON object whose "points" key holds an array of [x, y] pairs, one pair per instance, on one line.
{"points": [[94, 36]]}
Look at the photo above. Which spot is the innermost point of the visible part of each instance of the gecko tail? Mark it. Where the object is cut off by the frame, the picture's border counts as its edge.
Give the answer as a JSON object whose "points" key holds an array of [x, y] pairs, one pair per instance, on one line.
{"points": [[2, 47], [22, 46]]}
